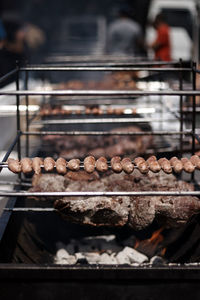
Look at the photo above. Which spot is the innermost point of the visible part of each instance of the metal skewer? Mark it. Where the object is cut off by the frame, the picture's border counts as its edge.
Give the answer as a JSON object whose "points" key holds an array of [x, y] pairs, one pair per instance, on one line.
{"points": [[94, 194]]}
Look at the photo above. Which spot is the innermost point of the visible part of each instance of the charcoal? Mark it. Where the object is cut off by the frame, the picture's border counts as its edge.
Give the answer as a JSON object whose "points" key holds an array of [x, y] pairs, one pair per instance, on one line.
{"points": [[157, 260]]}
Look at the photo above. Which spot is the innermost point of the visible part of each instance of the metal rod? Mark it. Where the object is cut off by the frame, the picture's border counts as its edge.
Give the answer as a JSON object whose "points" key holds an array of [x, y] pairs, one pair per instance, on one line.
{"points": [[193, 112], [97, 64], [18, 115], [11, 147], [107, 133], [103, 68], [6, 76], [100, 121], [176, 115], [30, 209], [92, 194], [193, 107], [181, 109], [18, 119], [104, 60], [102, 93], [27, 114], [14, 182]]}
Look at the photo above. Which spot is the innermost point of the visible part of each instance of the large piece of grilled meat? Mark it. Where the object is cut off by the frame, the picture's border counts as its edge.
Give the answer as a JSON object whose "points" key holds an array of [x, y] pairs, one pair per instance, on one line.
{"points": [[137, 212]]}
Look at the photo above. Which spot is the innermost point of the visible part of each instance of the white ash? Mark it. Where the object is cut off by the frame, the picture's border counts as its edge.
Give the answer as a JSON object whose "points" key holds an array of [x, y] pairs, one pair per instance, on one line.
{"points": [[107, 259], [93, 257], [63, 257], [98, 250], [107, 238], [134, 255], [122, 258]]}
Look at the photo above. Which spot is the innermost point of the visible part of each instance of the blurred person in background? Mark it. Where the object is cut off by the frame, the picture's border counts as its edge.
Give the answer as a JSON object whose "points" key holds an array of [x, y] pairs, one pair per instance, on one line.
{"points": [[161, 45], [2, 35], [13, 48], [125, 35], [17, 44]]}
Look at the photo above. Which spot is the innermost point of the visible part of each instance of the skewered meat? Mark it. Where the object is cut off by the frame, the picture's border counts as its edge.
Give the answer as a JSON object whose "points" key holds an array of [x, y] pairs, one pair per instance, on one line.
{"points": [[165, 165], [176, 164], [49, 164], [26, 165], [100, 111], [153, 164], [119, 111], [127, 165], [49, 111], [195, 160], [116, 164], [61, 166], [37, 162], [101, 164], [88, 111], [68, 111], [73, 164], [142, 165], [187, 165], [95, 111], [89, 164], [14, 165], [110, 111]]}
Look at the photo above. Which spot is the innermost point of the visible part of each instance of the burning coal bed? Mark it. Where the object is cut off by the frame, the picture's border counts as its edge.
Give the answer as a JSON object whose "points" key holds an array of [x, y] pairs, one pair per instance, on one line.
{"points": [[103, 249]]}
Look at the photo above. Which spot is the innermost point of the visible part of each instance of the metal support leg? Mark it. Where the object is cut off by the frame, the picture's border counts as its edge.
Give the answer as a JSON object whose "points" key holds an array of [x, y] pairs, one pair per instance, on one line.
{"points": [[27, 114]]}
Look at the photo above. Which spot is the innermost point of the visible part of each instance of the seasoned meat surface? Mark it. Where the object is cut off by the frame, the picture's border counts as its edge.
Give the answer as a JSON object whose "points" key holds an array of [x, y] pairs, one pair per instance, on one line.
{"points": [[138, 212], [97, 146]]}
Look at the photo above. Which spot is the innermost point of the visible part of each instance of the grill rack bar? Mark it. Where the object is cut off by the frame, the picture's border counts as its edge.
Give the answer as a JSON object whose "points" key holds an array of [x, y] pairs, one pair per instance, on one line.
{"points": [[16, 183], [30, 209], [162, 133], [100, 93], [10, 149], [100, 121], [99, 194], [103, 68], [8, 75]]}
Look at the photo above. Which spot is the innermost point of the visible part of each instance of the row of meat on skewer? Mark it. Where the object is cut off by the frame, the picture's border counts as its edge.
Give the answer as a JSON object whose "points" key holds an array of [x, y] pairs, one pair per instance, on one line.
{"points": [[87, 111], [90, 164]]}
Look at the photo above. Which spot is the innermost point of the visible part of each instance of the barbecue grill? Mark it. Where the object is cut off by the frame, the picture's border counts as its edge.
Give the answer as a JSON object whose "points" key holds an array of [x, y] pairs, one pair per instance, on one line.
{"points": [[36, 276]]}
